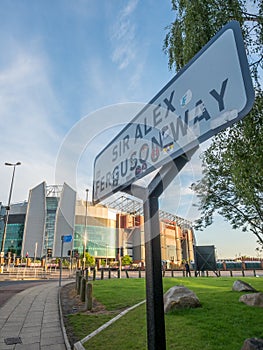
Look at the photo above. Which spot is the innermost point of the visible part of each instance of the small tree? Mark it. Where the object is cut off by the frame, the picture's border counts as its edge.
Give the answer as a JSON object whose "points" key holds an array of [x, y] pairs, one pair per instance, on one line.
{"points": [[197, 21], [126, 260], [90, 260]]}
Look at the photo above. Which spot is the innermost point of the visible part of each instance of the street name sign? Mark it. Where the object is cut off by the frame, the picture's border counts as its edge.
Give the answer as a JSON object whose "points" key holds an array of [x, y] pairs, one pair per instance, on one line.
{"points": [[213, 91], [66, 239]]}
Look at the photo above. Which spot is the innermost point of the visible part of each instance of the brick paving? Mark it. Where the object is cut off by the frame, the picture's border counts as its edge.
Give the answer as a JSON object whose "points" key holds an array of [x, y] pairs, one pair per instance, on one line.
{"points": [[30, 320]]}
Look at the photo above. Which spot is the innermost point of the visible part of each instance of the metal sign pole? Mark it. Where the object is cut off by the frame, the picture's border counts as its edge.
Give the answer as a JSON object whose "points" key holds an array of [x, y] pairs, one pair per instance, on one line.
{"points": [[61, 257], [154, 283]]}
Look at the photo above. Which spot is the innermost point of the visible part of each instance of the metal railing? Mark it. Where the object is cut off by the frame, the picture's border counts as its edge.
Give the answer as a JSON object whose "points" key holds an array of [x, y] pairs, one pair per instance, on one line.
{"points": [[22, 273]]}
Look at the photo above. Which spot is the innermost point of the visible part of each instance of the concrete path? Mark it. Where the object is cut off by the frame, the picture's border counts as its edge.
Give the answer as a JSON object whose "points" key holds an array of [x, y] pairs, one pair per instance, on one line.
{"points": [[30, 320]]}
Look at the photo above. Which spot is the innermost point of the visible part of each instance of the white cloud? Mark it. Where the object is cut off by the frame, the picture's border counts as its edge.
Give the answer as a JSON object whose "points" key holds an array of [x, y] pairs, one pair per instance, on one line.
{"points": [[28, 115], [26, 95], [130, 8], [123, 37]]}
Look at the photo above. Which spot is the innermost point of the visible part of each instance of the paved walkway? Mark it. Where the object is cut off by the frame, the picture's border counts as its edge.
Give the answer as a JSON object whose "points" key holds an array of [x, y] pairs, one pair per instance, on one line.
{"points": [[30, 320]]}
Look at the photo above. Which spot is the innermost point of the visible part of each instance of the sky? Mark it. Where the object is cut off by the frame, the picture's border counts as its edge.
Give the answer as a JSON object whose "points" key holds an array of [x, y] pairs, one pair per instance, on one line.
{"points": [[72, 74]]}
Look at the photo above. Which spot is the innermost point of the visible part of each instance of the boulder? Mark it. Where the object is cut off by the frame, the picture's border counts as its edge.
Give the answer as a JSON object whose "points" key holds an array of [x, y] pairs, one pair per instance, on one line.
{"points": [[241, 286], [253, 344], [180, 297], [254, 299]]}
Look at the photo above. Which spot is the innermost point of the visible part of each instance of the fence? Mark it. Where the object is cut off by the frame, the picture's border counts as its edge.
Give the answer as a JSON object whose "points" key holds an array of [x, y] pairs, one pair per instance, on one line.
{"points": [[107, 273], [23, 273], [231, 270]]}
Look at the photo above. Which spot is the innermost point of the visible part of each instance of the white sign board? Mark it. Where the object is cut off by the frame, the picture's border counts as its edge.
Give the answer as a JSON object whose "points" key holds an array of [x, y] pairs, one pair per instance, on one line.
{"points": [[210, 93]]}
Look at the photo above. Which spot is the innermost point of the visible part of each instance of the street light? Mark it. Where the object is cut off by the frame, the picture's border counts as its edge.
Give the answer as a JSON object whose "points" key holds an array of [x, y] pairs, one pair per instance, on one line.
{"points": [[85, 232], [107, 255], [8, 206]]}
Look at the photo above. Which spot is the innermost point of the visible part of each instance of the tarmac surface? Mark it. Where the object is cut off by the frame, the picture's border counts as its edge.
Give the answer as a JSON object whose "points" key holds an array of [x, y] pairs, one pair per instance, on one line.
{"points": [[30, 320]]}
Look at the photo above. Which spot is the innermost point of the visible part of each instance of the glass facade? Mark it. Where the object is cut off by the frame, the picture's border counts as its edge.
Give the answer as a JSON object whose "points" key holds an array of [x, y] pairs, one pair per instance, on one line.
{"points": [[14, 238], [14, 232], [51, 208], [101, 240]]}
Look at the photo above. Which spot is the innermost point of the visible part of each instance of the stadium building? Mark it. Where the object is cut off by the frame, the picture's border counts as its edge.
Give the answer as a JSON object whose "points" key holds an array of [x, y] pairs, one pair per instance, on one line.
{"points": [[35, 228]]}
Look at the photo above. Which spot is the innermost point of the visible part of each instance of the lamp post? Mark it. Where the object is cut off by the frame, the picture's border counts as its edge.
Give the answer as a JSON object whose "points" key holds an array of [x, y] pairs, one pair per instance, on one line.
{"points": [[85, 232], [107, 255], [8, 206]]}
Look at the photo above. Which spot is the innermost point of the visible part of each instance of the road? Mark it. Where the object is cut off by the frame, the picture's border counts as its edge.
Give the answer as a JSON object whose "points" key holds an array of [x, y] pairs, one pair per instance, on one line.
{"points": [[10, 288]]}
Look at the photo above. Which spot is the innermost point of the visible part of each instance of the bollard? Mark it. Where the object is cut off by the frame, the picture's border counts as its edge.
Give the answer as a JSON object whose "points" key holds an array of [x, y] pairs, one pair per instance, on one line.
{"points": [[83, 289], [102, 274], [94, 274], [172, 273], [88, 296], [119, 273], [87, 274], [79, 284], [77, 280], [140, 273], [127, 275], [109, 273]]}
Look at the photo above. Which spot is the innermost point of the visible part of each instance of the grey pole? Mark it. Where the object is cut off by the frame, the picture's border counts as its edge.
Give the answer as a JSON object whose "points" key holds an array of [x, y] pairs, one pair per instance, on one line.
{"points": [[8, 205], [154, 283], [153, 274], [85, 232], [61, 257]]}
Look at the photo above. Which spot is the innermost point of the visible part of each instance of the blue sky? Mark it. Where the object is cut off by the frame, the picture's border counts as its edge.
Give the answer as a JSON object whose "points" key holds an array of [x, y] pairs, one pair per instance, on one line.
{"points": [[62, 63]]}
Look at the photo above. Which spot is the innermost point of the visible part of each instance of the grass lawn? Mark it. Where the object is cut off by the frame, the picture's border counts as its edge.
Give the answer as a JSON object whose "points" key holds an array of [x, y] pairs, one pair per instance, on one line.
{"points": [[221, 323]]}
